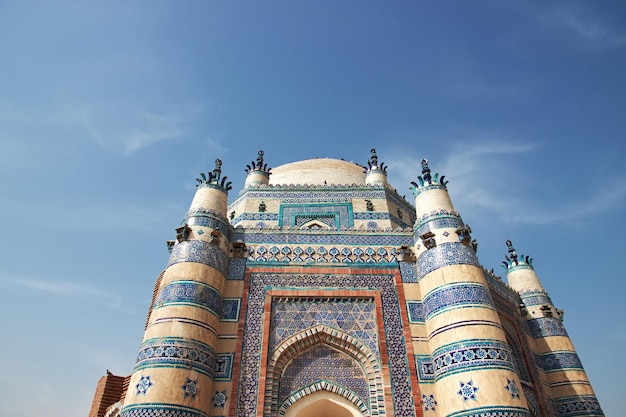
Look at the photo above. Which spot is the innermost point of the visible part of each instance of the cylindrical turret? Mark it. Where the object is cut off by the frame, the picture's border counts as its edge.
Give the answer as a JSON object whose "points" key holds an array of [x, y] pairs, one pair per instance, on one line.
{"points": [[375, 174], [570, 389], [470, 354], [258, 172], [174, 370]]}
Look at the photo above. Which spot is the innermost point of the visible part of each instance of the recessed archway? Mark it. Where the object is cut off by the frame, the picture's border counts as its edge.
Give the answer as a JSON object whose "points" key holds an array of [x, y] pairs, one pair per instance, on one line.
{"points": [[323, 404]]}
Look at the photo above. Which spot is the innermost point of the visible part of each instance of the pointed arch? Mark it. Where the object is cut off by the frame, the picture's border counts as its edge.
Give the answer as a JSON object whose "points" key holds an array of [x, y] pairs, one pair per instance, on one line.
{"points": [[335, 339], [320, 386]]}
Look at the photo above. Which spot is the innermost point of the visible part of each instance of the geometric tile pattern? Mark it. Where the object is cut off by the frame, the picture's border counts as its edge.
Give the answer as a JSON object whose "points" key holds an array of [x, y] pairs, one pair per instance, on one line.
{"points": [[439, 221], [559, 361], [444, 254], [303, 194], [252, 341], [219, 399], [531, 399], [173, 352], [190, 388], [416, 311], [580, 405], [468, 390], [236, 269], [211, 222], [425, 368], [407, 271], [160, 410], [143, 385], [371, 215], [493, 411], [297, 215], [471, 354], [201, 252], [344, 237], [322, 254], [323, 363], [452, 296], [546, 326], [223, 367], [354, 317], [535, 298], [255, 216], [190, 293], [230, 309], [511, 387], [428, 401]]}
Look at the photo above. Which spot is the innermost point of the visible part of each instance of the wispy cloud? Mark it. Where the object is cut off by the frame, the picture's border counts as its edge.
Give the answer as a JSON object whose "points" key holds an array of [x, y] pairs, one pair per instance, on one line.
{"points": [[68, 288], [588, 25]]}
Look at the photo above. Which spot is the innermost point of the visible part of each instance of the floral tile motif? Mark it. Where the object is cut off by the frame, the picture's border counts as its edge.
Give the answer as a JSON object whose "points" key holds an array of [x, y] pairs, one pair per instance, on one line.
{"points": [[447, 253], [468, 390], [200, 252], [480, 353], [512, 388], [143, 385], [456, 295], [190, 388], [219, 399], [429, 402]]}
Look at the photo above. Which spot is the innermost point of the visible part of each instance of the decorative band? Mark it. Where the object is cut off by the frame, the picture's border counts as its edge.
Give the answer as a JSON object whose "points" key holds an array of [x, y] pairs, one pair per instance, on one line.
{"points": [[160, 410], [560, 361], [470, 354], [546, 326], [208, 221], [536, 299], [438, 222], [447, 253], [493, 411], [176, 353], [190, 292], [579, 405], [200, 252], [456, 296]]}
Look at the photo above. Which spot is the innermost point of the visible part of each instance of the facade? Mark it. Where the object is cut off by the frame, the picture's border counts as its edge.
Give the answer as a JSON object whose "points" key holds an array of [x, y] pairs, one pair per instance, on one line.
{"points": [[336, 296]]}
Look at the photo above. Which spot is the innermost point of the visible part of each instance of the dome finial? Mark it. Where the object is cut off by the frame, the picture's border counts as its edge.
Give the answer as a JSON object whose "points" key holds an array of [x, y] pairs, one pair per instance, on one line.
{"points": [[215, 179], [258, 165], [513, 259], [427, 180], [372, 163]]}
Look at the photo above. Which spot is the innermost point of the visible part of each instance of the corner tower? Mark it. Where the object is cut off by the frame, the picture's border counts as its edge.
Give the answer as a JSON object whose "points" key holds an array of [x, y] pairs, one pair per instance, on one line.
{"points": [[173, 375], [557, 361], [472, 362]]}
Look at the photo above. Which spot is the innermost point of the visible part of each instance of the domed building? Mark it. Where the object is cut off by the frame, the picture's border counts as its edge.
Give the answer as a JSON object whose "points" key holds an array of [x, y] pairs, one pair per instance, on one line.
{"points": [[319, 291]]}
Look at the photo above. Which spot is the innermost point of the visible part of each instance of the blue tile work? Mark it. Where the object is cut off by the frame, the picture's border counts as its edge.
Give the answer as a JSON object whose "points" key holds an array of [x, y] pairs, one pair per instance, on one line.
{"points": [[519, 266], [304, 237], [160, 410], [219, 399], [580, 405], [531, 399], [407, 271], [223, 367], [191, 293], [499, 287], [401, 222], [340, 213], [425, 368], [329, 219], [200, 252], [230, 309], [546, 326], [416, 311], [322, 362], [420, 190], [306, 194], [438, 221], [559, 361], [535, 298], [468, 390], [143, 385], [236, 269], [255, 216], [371, 215], [454, 296], [512, 388], [493, 411], [354, 317], [308, 254], [190, 388], [471, 354], [447, 253], [211, 222], [429, 402], [175, 352], [252, 341]]}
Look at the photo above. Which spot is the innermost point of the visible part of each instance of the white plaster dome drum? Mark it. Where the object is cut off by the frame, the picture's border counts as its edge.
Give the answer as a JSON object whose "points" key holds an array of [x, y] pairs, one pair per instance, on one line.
{"points": [[319, 171]]}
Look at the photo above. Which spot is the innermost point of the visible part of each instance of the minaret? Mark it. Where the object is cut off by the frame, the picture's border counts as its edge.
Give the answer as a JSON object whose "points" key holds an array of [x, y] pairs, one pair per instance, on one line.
{"points": [[474, 373], [173, 375], [375, 174], [571, 392]]}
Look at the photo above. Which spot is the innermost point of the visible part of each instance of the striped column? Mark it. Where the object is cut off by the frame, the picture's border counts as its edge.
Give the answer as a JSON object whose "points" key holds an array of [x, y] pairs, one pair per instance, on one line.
{"points": [[173, 375], [474, 373], [571, 392]]}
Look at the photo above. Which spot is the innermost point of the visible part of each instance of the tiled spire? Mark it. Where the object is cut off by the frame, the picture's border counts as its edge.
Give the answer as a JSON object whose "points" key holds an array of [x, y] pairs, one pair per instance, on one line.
{"points": [[215, 179]]}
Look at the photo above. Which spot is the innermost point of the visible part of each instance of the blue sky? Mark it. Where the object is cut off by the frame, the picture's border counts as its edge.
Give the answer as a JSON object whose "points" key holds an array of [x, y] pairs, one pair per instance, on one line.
{"points": [[109, 110]]}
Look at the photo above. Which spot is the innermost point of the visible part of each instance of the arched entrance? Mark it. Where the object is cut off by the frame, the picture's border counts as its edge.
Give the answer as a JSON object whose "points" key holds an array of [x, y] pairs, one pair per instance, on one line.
{"points": [[323, 404]]}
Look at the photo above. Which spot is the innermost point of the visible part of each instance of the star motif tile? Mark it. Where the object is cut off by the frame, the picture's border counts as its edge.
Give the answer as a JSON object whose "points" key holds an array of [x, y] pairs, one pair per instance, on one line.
{"points": [[190, 388], [143, 385], [468, 391], [219, 400], [428, 401], [512, 388]]}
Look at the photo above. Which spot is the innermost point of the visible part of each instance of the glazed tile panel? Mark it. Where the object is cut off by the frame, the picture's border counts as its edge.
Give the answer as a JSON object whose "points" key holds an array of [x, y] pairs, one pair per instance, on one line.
{"points": [[322, 362], [447, 253], [190, 293], [354, 317], [455, 296], [160, 410], [471, 354], [200, 252], [174, 352], [252, 341], [546, 326], [579, 405]]}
